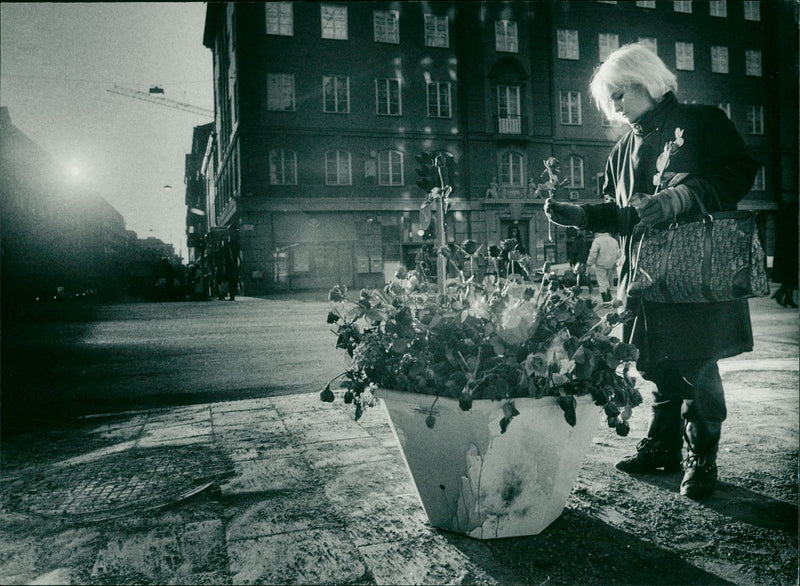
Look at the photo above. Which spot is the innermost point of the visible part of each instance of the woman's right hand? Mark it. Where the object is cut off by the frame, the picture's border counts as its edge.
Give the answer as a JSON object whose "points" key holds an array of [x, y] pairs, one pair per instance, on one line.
{"points": [[564, 214]]}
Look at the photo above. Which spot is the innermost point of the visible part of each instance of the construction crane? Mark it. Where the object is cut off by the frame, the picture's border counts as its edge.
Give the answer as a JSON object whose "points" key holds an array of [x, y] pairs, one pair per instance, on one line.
{"points": [[159, 99]]}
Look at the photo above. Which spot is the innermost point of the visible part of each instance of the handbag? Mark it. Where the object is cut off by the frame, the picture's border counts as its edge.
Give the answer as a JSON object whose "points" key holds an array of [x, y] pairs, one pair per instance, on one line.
{"points": [[700, 258]]}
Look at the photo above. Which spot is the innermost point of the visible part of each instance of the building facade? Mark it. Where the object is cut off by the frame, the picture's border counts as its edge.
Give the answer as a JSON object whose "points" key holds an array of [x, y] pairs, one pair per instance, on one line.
{"points": [[321, 108]]}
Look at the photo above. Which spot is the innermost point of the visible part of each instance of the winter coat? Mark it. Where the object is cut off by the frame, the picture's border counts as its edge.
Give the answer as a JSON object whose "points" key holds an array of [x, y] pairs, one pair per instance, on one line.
{"points": [[604, 252], [721, 173]]}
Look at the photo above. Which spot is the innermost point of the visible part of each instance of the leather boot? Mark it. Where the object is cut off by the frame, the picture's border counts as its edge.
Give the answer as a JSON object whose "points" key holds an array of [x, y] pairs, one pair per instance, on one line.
{"points": [[660, 449], [700, 466]]}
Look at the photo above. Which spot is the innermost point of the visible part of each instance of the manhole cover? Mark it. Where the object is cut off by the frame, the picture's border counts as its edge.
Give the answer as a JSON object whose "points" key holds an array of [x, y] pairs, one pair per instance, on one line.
{"points": [[116, 485]]}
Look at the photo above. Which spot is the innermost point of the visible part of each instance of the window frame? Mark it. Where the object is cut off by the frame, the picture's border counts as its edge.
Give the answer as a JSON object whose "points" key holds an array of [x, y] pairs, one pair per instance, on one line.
{"points": [[339, 160], [682, 6], [438, 95], [607, 37], [282, 85], [280, 20], [391, 27], [718, 8], [506, 36], [572, 107], [752, 10], [753, 63], [430, 37], [650, 42], [509, 108], [645, 3], [512, 162], [567, 47], [755, 120], [336, 79], [688, 55], [573, 159], [282, 152], [334, 33], [396, 168], [720, 59], [388, 93]]}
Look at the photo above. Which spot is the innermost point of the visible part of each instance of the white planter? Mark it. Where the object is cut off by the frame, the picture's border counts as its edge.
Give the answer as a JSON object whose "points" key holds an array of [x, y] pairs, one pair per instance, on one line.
{"points": [[474, 480]]}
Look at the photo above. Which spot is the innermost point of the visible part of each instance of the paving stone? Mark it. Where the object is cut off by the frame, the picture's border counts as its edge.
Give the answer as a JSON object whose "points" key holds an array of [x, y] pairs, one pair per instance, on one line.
{"points": [[190, 433], [325, 431], [281, 473], [307, 557], [428, 560], [345, 452], [284, 513], [250, 419], [243, 405], [268, 447], [393, 518], [163, 553]]}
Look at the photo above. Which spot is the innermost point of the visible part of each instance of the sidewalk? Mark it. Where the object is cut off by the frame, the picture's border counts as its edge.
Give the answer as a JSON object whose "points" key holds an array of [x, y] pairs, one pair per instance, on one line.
{"points": [[310, 496]]}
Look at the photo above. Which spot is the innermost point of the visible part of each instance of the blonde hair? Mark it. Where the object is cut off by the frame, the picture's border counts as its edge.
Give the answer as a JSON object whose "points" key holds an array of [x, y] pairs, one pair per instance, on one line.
{"points": [[633, 64]]}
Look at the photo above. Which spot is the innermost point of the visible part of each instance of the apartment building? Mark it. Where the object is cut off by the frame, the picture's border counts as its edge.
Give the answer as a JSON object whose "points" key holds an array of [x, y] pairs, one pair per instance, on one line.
{"points": [[321, 108]]}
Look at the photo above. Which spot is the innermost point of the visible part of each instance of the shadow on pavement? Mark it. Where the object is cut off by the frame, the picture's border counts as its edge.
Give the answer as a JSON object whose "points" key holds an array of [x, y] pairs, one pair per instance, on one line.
{"points": [[579, 549], [740, 504]]}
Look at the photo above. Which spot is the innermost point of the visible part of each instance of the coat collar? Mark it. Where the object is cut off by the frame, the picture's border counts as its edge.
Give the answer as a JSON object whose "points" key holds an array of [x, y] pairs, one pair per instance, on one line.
{"points": [[654, 119]]}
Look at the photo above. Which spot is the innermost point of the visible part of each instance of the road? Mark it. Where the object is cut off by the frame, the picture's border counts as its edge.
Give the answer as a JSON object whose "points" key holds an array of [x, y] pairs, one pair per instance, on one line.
{"points": [[61, 360]]}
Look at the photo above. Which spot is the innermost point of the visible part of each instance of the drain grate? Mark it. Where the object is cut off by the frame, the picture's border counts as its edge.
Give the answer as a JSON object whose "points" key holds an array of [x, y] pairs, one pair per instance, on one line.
{"points": [[116, 485]]}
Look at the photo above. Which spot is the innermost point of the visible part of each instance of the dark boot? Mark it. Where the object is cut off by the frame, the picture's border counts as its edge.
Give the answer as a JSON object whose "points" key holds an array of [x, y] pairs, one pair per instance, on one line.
{"points": [[650, 456], [662, 446], [700, 467]]}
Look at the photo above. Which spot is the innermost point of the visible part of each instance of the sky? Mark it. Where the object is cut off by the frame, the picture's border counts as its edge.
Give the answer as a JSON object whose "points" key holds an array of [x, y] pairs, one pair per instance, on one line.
{"points": [[57, 61]]}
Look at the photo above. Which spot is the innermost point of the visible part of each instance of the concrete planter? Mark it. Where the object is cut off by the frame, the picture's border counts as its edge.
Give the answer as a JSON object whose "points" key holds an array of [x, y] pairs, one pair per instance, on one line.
{"points": [[474, 480]]}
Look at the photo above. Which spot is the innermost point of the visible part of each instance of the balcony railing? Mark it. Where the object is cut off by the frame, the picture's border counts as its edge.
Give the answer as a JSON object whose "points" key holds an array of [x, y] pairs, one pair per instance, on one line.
{"points": [[511, 124]]}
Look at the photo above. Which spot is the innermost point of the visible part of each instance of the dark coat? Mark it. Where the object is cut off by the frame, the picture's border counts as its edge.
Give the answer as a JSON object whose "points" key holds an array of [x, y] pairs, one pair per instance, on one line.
{"points": [[720, 173]]}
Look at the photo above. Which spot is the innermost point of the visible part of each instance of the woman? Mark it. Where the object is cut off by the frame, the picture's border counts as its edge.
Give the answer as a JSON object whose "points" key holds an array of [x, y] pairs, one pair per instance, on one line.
{"points": [[679, 344]]}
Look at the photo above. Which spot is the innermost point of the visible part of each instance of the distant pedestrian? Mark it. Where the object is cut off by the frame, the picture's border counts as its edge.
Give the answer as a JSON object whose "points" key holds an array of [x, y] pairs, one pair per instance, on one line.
{"points": [[577, 255], [603, 256], [784, 266]]}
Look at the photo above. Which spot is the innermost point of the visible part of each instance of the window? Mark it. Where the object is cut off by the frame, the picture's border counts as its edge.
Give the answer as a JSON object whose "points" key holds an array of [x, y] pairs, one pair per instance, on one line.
{"points": [[387, 97], [608, 43], [282, 167], [508, 110], [511, 169], [650, 42], [575, 172], [279, 18], [280, 92], [719, 59], [570, 108], [759, 184], [725, 107], [568, 47], [436, 31], [752, 10], [336, 94], [755, 119], [718, 8], [390, 168], [505, 33], [337, 168], [682, 6], [684, 56], [439, 99], [387, 26], [334, 21], [752, 63], [646, 3]]}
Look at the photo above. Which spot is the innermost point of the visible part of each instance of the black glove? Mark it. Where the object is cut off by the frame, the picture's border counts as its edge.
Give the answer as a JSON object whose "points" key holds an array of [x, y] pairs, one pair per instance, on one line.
{"points": [[564, 214], [664, 205]]}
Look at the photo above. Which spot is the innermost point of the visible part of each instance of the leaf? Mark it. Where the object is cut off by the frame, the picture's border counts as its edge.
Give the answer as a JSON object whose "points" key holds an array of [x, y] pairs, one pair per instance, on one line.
{"points": [[425, 217], [568, 404]]}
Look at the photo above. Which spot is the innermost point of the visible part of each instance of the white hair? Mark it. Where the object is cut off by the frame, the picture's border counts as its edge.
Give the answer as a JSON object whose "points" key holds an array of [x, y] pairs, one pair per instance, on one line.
{"points": [[633, 64]]}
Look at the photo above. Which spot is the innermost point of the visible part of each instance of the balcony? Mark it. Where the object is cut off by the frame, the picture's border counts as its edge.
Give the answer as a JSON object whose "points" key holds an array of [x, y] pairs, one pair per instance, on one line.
{"points": [[511, 125]]}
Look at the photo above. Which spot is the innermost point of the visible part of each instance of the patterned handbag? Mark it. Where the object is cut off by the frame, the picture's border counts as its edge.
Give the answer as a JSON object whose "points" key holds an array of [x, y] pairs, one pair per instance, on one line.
{"points": [[701, 258]]}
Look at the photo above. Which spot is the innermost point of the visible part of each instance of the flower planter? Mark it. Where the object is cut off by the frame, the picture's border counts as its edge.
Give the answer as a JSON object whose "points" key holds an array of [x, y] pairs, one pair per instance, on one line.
{"points": [[474, 480]]}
